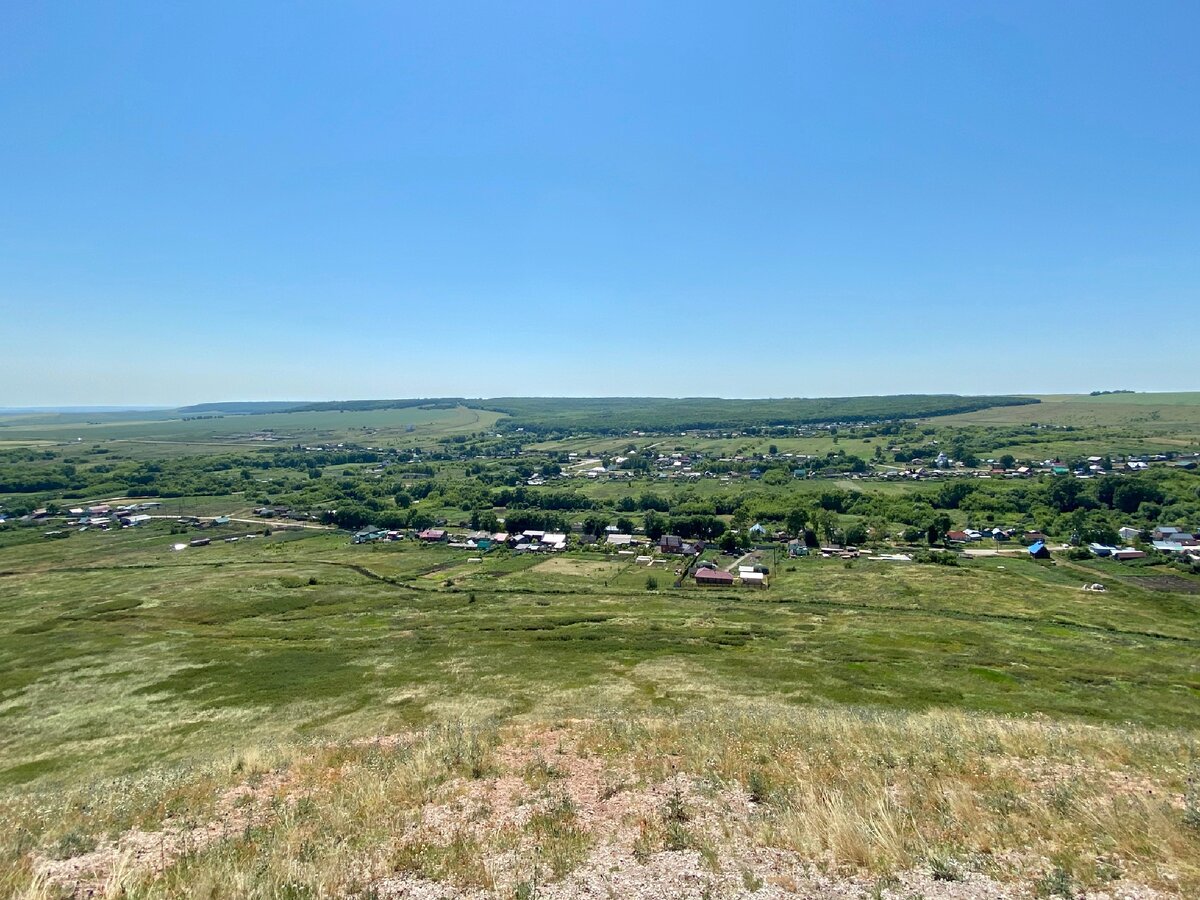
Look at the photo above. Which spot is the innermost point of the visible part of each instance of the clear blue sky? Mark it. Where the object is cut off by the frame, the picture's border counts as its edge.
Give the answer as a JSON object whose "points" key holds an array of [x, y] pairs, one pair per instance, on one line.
{"points": [[324, 200]]}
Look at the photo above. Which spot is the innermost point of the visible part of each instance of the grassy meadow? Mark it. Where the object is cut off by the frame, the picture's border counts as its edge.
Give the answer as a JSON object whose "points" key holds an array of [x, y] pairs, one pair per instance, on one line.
{"points": [[293, 715], [125, 660]]}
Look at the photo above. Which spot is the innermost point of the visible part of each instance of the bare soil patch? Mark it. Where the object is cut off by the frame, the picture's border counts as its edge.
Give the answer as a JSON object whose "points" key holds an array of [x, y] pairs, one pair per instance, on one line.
{"points": [[588, 568], [551, 816]]}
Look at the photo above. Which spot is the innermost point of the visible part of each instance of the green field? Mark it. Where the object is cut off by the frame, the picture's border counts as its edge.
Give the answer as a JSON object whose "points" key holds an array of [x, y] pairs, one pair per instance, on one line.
{"points": [[348, 692], [382, 426], [145, 654]]}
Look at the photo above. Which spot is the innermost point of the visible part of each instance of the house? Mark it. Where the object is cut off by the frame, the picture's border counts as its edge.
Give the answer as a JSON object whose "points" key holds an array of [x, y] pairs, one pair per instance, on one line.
{"points": [[670, 543], [757, 579], [1101, 549], [757, 530], [553, 541], [1165, 532], [1128, 553], [618, 540], [1038, 550], [219, 520], [433, 535], [1129, 533], [797, 548], [1167, 546], [713, 577], [135, 520], [369, 534], [1034, 537], [957, 537]]}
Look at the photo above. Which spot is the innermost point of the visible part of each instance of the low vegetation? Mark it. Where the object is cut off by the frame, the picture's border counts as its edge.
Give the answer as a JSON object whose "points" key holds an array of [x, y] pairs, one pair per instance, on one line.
{"points": [[260, 707]]}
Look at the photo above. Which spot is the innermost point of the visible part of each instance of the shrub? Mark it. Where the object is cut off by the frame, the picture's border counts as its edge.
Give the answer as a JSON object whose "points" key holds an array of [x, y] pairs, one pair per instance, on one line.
{"points": [[1056, 883], [937, 557]]}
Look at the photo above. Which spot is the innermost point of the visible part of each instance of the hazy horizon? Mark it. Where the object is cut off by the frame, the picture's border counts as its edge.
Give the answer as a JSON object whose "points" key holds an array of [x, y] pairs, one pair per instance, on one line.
{"points": [[149, 407]]}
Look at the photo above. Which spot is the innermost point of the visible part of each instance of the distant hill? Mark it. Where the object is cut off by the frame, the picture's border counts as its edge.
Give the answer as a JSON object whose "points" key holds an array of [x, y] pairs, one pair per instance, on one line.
{"points": [[364, 405], [243, 408], [623, 414]]}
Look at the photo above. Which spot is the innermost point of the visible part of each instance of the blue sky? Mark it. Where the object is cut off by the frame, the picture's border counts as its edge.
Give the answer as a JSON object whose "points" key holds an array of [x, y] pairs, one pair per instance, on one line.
{"points": [[300, 200]]}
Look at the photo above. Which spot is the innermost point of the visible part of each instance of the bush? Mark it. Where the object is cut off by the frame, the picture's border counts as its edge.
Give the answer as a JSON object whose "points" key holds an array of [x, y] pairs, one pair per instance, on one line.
{"points": [[651, 583], [937, 557], [1057, 883]]}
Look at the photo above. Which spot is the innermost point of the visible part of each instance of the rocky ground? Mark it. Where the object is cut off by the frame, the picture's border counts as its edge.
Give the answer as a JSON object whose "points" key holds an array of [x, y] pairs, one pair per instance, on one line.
{"points": [[553, 820]]}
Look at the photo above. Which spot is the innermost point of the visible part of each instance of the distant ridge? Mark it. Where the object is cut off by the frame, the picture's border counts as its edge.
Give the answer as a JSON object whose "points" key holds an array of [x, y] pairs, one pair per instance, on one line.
{"points": [[243, 408], [44, 410], [623, 414]]}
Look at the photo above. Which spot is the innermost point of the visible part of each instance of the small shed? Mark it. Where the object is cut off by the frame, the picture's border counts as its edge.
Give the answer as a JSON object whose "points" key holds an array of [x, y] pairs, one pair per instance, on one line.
{"points": [[1039, 550]]}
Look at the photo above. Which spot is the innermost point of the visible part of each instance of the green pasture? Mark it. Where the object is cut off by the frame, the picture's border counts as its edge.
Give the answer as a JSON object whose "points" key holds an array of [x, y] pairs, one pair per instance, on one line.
{"points": [[369, 427], [117, 651], [1125, 410]]}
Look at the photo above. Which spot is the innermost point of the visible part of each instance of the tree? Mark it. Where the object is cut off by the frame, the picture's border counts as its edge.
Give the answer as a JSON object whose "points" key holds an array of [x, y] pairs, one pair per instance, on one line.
{"points": [[741, 517], [625, 525], [1064, 494], [773, 450], [485, 520], [1130, 494], [856, 533], [1007, 461], [594, 525], [655, 525], [796, 520], [650, 501], [827, 524], [938, 527]]}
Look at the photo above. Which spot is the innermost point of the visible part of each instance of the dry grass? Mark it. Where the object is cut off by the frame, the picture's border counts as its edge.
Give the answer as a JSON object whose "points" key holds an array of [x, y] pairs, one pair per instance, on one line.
{"points": [[809, 801], [882, 792], [565, 565]]}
